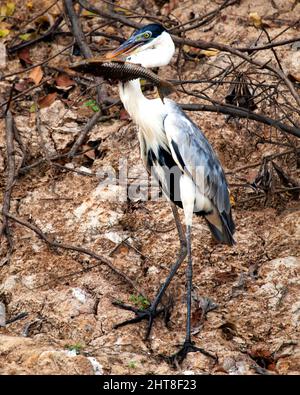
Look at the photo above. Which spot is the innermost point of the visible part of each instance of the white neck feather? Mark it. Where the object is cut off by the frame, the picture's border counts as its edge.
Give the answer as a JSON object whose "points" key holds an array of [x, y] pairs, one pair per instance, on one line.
{"points": [[132, 98], [147, 114]]}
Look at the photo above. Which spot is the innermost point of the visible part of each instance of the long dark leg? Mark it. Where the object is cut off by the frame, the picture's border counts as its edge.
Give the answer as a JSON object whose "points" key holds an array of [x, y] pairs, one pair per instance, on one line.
{"points": [[180, 259], [189, 281], [151, 312], [188, 345], [178, 225]]}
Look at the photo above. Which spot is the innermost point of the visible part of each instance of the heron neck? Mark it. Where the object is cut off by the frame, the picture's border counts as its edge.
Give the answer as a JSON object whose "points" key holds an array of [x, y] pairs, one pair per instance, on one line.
{"points": [[132, 97], [146, 113]]}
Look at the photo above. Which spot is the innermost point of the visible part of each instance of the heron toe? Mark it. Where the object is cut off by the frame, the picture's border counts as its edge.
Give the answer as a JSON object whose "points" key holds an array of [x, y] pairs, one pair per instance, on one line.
{"points": [[187, 347], [147, 314]]}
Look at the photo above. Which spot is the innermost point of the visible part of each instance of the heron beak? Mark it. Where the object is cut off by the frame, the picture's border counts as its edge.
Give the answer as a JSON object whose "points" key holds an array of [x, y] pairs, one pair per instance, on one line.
{"points": [[125, 49]]}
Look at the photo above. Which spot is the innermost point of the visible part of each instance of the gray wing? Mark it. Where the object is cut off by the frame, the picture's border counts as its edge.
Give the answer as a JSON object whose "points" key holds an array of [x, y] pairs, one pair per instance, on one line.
{"points": [[195, 156]]}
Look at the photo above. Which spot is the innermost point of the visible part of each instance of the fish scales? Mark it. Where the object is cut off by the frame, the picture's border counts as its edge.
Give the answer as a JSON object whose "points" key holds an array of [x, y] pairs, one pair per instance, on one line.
{"points": [[116, 70], [122, 71]]}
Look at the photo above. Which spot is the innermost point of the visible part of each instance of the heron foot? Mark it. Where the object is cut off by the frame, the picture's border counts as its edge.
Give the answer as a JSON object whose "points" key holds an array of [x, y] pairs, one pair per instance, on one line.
{"points": [[149, 314], [187, 347]]}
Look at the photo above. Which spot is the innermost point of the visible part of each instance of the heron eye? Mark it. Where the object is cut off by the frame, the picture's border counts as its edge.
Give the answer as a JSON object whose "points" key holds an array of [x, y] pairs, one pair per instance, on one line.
{"points": [[146, 35]]}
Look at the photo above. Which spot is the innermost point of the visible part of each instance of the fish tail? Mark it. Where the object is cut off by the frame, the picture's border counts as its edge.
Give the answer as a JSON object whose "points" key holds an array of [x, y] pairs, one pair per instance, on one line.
{"points": [[221, 226], [165, 88]]}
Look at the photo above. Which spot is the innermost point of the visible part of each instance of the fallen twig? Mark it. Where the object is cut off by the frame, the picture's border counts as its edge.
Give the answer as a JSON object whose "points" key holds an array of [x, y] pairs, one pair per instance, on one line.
{"points": [[24, 93], [17, 318], [81, 42], [36, 40], [11, 167], [82, 250], [36, 16], [97, 117], [204, 19], [266, 158], [242, 113]]}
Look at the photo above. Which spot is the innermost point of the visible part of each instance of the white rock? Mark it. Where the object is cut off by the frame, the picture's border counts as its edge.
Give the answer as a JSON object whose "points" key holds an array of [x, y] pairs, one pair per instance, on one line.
{"points": [[2, 314], [238, 369], [68, 127], [46, 228], [98, 369], [71, 303], [79, 294], [295, 60], [36, 247], [70, 165], [296, 313], [53, 114], [2, 56], [80, 210], [85, 169], [188, 372], [114, 237], [9, 283], [29, 281], [70, 353], [153, 270]]}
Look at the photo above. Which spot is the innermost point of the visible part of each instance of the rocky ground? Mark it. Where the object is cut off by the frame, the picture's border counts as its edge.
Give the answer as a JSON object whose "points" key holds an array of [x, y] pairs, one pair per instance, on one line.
{"points": [[65, 297]]}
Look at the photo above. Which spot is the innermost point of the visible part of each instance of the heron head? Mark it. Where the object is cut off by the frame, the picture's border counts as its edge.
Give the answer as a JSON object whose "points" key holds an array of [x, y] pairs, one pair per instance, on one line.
{"points": [[150, 46]]}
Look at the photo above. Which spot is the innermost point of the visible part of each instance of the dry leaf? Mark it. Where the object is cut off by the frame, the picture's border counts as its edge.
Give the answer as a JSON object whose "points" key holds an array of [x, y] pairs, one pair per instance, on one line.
{"points": [[255, 19], [36, 75], [294, 77], [196, 52], [122, 11], [22, 86], [209, 52], [63, 81], [124, 116], [2, 12], [28, 36], [7, 10], [232, 200], [4, 33], [91, 154], [46, 101], [225, 277], [43, 23], [111, 30], [10, 8], [167, 8], [251, 175], [88, 13], [24, 55], [4, 29], [29, 5]]}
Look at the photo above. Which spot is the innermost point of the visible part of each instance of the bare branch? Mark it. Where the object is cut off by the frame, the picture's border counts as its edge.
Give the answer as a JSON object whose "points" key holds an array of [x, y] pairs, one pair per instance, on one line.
{"points": [[242, 113], [11, 167], [69, 247], [36, 40]]}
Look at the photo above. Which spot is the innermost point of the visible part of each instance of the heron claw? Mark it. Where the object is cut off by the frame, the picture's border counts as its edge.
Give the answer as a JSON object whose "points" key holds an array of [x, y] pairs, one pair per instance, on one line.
{"points": [[148, 314], [187, 347]]}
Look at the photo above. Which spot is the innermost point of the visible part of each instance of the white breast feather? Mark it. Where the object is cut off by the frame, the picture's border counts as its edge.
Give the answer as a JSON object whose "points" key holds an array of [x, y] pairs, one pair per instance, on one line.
{"points": [[147, 114]]}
